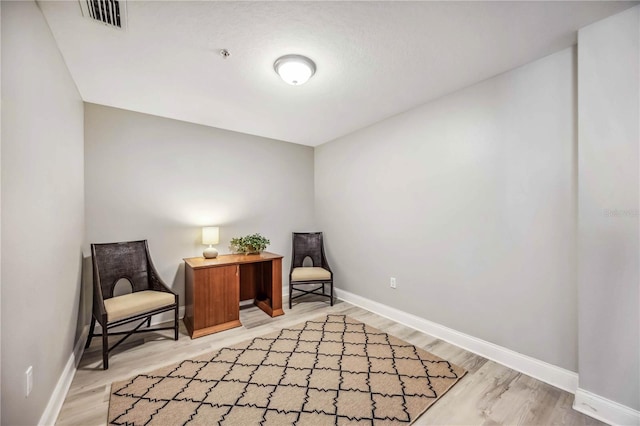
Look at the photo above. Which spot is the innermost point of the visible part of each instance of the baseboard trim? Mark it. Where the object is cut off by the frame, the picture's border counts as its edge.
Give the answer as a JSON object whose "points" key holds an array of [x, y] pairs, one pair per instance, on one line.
{"points": [[50, 414], [604, 409], [543, 371], [165, 316]]}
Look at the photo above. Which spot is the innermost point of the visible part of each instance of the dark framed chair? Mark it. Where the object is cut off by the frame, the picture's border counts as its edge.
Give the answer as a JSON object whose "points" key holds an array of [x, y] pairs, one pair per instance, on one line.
{"points": [[130, 261], [309, 245]]}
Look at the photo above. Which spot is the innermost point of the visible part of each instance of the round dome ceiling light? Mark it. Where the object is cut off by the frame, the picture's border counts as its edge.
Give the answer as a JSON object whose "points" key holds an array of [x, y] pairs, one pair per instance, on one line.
{"points": [[294, 69]]}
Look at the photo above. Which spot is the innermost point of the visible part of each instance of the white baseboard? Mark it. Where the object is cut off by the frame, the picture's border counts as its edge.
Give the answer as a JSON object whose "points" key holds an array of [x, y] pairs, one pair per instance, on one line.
{"points": [[165, 316], [604, 409], [585, 402], [56, 400], [543, 371]]}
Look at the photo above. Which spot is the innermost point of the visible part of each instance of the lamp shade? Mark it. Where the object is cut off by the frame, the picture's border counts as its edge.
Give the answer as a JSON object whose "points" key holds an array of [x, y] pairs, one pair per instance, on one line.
{"points": [[210, 235]]}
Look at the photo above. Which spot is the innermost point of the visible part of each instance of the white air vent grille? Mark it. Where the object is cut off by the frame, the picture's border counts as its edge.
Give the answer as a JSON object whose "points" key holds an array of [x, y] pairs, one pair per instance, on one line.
{"points": [[109, 12]]}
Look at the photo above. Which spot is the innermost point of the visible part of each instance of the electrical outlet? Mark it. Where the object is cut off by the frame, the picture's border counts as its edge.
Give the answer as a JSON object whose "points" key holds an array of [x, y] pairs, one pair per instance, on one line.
{"points": [[392, 282], [28, 385]]}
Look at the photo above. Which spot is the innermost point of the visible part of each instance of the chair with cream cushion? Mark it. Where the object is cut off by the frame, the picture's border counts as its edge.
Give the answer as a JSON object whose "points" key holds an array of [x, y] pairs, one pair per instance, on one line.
{"points": [[309, 266], [127, 262]]}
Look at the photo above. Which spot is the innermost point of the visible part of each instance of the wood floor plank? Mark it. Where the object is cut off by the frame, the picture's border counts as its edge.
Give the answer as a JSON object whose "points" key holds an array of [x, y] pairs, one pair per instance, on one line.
{"points": [[489, 394]]}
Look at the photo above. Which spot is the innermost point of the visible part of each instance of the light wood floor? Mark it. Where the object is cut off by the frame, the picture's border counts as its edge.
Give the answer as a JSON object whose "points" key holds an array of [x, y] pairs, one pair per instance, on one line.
{"points": [[489, 394]]}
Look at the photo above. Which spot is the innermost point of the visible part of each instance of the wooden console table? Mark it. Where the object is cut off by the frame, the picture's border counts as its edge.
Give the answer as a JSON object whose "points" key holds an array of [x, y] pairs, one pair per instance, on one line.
{"points": [[215, 287]]}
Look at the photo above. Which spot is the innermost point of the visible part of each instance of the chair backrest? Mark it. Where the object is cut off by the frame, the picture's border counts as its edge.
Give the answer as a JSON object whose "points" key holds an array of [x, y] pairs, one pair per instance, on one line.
{"points": [[307, 244], [115, 261]]}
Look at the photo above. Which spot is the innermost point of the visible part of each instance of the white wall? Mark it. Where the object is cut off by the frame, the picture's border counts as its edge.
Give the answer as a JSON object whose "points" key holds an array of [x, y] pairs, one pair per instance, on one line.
{"points": [[159, 179], [469, 201], [0, 217], [609, 268], [42, 211]]}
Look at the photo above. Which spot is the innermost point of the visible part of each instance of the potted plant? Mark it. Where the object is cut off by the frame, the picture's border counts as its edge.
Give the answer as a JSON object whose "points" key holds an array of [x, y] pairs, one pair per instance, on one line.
{"points": [[249, 244]]}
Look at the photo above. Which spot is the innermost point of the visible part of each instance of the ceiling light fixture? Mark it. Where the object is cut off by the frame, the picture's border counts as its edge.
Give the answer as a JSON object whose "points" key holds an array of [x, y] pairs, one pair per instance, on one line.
{"points": [[294, 69]]}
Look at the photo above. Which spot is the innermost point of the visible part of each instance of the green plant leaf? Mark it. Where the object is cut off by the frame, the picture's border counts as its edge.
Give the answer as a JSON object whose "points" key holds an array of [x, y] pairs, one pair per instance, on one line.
{"points": [[249, 243]]}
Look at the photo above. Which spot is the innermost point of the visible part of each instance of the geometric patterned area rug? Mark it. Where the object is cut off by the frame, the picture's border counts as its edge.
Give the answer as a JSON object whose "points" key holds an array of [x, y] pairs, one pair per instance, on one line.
{"points": [[329, 371]]}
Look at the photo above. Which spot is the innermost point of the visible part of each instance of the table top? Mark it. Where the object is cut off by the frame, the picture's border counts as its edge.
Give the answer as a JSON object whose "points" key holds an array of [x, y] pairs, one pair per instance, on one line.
{"points": [[230, 259]]}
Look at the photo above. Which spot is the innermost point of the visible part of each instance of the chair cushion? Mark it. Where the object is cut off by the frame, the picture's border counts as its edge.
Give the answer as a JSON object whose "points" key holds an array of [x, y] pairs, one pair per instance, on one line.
{"points": [[131, 304], [310, 274]]}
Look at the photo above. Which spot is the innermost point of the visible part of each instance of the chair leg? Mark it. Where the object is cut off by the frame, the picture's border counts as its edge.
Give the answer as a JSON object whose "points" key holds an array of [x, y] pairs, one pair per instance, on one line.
{"points": [[331, 293], [149, 321], [323, 290], [290, 294], [92, 327], [105, 348], [176, 324]]}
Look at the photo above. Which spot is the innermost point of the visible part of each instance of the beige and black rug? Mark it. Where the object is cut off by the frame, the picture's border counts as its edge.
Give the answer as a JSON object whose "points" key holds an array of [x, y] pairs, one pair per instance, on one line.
{"points": [[329, 371]]}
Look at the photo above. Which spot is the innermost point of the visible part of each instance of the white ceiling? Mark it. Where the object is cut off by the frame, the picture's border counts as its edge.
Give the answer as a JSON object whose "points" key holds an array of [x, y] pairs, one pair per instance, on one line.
{"points": [[374, 59]]}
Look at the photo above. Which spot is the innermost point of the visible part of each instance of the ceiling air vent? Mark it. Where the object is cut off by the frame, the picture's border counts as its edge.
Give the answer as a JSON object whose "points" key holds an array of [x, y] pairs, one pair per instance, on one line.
{"points": [[109, 12]]}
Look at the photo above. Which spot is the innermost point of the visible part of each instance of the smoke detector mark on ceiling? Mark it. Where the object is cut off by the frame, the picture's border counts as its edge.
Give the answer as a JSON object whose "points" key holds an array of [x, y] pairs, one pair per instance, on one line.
{"points": [[112, 13]]}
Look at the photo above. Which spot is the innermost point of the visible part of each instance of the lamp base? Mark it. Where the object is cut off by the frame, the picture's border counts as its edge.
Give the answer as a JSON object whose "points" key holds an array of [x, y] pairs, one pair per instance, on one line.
{"points": [[210, 253]]}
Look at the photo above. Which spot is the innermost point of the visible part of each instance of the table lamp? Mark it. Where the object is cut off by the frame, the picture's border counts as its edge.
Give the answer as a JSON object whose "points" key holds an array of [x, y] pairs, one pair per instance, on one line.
{"points": [[210, 235]]}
